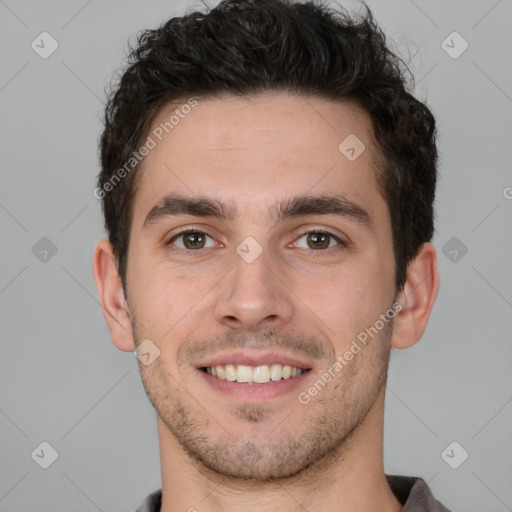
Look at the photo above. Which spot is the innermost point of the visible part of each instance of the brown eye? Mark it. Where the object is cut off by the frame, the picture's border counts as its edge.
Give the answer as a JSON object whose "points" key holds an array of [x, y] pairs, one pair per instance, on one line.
{"points": [[317, 240], [190, 240], [194, 240]]}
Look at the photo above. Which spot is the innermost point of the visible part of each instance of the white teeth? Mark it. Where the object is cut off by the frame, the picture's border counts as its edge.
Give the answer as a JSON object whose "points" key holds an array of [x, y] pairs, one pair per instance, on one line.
{"points": [[221, 372], [230, 372], [261, 374], [276, 372], [243, 373], [254, 374]]}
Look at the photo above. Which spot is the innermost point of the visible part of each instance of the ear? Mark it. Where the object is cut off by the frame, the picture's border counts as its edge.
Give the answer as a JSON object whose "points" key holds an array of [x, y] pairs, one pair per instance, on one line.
{"points": [[417, 298], [110, 290]]}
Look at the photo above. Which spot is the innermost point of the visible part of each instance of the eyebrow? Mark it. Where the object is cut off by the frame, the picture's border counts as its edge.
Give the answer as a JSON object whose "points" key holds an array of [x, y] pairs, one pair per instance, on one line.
{"points": [[173, 205]]}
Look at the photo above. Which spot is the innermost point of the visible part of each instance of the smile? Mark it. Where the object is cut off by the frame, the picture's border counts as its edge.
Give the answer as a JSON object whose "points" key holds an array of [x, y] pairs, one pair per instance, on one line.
{"points": [[261, 374]]}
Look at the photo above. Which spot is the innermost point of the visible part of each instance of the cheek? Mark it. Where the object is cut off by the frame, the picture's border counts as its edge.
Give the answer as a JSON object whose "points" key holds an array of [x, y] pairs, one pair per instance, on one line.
{"points": [[164, 304], [350, 298]]}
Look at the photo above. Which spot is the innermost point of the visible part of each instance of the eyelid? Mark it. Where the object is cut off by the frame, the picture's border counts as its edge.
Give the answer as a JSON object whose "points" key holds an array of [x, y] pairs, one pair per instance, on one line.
{"points": [[186, 231], [196, 229], [318, 229], [340, 245]]}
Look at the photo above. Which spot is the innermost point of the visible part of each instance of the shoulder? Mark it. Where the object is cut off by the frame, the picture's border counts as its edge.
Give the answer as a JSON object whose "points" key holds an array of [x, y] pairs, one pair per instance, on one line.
{"points": [[414, 494], [152, 503]]}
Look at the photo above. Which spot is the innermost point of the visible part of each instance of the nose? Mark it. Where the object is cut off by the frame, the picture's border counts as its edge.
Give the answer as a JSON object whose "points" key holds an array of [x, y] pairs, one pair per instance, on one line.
{"points": [[254, 295]]}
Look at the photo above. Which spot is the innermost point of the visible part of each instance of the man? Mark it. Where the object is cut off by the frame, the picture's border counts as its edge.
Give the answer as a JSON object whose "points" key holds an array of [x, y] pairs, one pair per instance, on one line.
{"points": [[268, 187]]}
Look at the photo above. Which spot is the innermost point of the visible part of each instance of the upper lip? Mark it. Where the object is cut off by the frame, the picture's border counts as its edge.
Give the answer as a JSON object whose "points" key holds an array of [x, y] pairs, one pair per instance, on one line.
{"points": [[254, 359]]}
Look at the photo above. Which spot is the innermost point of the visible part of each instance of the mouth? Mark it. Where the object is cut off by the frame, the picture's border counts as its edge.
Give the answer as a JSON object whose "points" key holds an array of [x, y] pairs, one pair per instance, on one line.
{"points": [[261, 374], [253, 377]]}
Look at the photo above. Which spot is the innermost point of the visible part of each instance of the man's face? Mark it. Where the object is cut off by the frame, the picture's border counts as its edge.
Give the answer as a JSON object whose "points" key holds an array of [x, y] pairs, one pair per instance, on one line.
{"points": [[257, 288]]}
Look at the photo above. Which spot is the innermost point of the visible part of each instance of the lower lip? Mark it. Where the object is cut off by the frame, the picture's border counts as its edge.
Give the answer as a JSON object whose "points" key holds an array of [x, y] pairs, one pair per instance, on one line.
{"points": [[254, 392]]}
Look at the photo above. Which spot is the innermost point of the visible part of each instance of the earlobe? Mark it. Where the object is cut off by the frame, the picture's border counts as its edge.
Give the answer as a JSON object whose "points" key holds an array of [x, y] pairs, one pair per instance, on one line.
{"points": [[417, 298], [110, 290]]}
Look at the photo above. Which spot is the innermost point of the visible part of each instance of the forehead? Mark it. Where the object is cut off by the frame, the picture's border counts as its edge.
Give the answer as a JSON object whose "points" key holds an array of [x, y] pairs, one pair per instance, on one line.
{"points": [[254, 152]]}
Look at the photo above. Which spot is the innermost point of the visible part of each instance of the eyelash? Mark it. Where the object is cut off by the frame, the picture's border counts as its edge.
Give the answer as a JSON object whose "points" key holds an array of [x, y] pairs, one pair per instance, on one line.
{"points": [[315, 253]]}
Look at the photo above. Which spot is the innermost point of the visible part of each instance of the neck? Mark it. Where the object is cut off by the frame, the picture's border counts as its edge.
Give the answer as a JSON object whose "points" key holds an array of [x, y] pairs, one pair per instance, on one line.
{"points": [[352, 479]]}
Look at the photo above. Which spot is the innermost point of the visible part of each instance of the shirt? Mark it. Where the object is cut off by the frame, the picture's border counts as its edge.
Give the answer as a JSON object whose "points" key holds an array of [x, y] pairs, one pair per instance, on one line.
{"points": [[412, 492]]}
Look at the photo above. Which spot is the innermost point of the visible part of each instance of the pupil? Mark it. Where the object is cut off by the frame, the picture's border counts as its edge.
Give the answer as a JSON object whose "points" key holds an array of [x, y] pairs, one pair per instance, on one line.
{"points": [[194, 239], [318, 239]]}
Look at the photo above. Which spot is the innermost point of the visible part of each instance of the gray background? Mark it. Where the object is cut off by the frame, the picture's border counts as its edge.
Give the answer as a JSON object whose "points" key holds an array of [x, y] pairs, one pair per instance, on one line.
{"points": [[62, 380]]}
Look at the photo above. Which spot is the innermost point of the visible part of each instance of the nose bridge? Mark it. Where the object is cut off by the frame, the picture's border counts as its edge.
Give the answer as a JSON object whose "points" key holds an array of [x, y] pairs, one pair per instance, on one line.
{"points": [[252, 266], [253, 280], [252, 294]]}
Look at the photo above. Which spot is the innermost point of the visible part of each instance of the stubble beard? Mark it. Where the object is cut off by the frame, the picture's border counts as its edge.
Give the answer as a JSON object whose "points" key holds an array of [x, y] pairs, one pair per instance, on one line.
{"points": [[315, 437]]}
